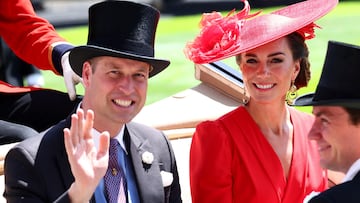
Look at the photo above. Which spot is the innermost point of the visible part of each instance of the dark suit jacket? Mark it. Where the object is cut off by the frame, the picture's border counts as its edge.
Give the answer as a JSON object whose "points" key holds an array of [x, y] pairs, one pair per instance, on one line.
{"points": [[348, 192], [37, 169]]}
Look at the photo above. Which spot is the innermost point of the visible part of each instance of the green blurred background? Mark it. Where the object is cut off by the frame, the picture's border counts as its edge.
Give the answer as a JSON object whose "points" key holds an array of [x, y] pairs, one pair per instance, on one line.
{"points": [[341, 24]]}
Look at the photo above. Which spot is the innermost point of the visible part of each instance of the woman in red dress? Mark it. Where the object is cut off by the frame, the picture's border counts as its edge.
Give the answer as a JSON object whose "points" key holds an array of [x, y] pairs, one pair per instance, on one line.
{"points": [[258, 152]]}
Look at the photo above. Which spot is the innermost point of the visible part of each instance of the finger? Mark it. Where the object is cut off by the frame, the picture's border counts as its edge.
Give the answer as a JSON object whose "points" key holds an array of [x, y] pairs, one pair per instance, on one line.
{"points": [[88, 137], [69, 147], [74, 129], [80, 124], [104, 144], [102, 157], [89, 123]]}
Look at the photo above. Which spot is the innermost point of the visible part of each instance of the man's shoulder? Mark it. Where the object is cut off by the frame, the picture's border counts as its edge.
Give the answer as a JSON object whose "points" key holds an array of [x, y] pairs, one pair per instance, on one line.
{"points": [[42, 143], [29, 146], [344, 192]]}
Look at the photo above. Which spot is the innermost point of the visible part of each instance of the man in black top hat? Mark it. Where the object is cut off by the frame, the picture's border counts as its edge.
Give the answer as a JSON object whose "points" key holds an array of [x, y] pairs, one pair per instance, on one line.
{"points": [[336, 106], [75, 161]]}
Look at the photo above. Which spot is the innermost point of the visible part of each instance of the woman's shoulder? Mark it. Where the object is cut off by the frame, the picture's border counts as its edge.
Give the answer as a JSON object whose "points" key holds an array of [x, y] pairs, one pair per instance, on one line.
{"points": [[295, 113], [239, 112], [234, 117]]}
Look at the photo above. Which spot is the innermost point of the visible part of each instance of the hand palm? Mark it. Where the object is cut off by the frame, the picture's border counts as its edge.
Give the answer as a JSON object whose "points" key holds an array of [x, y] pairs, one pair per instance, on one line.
{"points": [[88, 164]]}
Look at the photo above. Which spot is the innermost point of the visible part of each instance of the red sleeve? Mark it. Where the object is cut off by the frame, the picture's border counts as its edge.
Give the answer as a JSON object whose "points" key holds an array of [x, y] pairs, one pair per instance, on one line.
{"points": [[29, 36], [210, 158]]}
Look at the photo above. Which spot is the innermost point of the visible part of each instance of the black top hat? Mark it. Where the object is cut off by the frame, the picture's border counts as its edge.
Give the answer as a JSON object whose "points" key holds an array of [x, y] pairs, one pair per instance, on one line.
{"points": [[121, 29], [339, 82]]}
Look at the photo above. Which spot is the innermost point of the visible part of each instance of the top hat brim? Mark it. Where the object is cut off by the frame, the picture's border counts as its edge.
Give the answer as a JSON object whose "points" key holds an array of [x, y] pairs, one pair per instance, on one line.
{"points": [[308, 100], [80, 54]]}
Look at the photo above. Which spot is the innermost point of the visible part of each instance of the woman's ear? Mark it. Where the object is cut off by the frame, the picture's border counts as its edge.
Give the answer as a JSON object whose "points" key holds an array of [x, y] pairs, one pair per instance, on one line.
{"points": [[238, 60], [296, 70]]}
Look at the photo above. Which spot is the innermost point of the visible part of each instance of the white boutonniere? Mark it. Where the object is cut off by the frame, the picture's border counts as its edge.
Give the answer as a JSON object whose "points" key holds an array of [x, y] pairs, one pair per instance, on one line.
{"points": [[147, 157], [167, 178]]}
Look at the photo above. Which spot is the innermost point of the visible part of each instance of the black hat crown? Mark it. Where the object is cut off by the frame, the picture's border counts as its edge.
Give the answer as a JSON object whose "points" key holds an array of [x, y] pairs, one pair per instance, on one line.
{"points": [[339, 83], [121, 29]]}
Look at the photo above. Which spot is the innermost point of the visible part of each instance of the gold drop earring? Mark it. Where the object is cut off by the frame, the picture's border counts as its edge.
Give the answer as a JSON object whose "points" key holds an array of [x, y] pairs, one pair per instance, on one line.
{"points": [[245, 99], [291, 94]]}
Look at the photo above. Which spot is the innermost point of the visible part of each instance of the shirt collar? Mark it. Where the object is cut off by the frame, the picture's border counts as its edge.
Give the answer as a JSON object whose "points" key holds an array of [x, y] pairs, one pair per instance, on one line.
{"points": [[119, 137], [354, 169]]}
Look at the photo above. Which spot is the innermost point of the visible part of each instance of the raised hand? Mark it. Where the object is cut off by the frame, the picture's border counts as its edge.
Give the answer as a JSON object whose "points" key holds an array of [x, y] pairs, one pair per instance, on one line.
{"points": [[88, 164]]}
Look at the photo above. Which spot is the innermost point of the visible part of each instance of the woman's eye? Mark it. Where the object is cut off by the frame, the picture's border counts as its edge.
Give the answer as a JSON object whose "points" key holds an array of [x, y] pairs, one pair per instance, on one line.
{"points": [[251, 61], [276, 60]]}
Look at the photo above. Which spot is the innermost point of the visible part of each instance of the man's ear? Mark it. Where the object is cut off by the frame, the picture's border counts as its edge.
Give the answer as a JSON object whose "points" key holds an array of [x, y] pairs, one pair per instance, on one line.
{"points": [[86, 73]]}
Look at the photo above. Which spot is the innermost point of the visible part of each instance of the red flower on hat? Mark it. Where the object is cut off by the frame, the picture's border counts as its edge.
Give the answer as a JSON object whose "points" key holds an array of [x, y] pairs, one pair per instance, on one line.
{"points": [[218, 36], [308, 32]]}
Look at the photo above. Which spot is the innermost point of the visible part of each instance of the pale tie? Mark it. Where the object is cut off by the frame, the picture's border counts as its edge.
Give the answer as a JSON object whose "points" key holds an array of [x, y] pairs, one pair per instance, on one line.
{"points": [[115, 182]]}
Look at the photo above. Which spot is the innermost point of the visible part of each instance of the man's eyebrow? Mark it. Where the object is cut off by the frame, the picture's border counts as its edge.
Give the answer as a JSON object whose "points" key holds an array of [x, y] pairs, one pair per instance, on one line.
{"points": [[324, 113], [320, 112]]}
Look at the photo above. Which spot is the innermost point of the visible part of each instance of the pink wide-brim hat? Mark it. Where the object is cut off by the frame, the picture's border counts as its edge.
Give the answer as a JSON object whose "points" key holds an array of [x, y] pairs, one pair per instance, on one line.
{"points": [[223, 37]]}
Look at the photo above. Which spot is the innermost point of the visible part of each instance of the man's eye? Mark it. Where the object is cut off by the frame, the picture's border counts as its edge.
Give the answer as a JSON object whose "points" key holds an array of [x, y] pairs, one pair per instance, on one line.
{"points": [[140, 76], [114, 72], [324, 121]]}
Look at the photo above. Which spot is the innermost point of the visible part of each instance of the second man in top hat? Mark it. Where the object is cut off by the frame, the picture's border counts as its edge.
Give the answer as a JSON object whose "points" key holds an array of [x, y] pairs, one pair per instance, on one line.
{"points": [[336, 128]]}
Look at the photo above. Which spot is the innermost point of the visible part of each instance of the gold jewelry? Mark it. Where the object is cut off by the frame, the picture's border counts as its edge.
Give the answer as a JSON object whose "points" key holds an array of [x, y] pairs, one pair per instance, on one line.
{"points": [[245, 99], [291, 94]]}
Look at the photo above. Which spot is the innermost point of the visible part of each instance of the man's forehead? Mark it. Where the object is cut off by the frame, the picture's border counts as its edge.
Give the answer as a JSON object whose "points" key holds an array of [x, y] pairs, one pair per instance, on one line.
{"points": [[111, 60], [328, 110]]}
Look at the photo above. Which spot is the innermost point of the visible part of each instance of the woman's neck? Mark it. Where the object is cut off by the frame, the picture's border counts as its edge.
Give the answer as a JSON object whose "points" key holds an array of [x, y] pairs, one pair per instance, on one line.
{"points": [[272, 118]]}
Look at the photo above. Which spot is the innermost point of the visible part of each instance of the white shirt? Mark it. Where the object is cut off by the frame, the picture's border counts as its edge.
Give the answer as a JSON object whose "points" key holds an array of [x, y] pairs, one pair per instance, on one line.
{"points": [[353, 170], [119, 137], [96, 135]]}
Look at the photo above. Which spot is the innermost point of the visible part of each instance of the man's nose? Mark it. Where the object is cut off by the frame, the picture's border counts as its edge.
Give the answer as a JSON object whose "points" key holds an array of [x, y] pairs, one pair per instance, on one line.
{"points": [[315, 131]]}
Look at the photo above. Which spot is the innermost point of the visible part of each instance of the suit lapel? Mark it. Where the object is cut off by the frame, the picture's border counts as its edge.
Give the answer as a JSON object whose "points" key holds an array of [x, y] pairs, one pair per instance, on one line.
{"points": [[148, 178], [62, 159], [357, 177]]}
